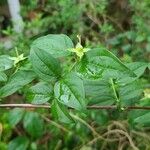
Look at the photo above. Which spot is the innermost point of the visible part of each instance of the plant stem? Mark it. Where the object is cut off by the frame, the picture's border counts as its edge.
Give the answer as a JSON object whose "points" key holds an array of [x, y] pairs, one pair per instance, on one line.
{"points": [[46, 106], [118, 102]]}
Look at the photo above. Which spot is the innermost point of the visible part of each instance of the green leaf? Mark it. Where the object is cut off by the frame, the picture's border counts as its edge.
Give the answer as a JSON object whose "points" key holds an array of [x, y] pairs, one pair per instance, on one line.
{"points": [[17, 81], [130, 93], [55, 44], [3, 77], [41, 93], [144, 119], [60, 112], [33, 124], [5, 62], [19, 143], [70, 91], [137, 67], [140, 117], [15, 116], [98, 62], [99, 92], [46, 66]]}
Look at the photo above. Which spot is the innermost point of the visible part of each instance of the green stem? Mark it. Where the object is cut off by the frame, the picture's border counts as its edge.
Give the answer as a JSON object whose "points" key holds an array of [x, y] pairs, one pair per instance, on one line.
{"points": [[17, 54], [72, 67], [115, 94]]}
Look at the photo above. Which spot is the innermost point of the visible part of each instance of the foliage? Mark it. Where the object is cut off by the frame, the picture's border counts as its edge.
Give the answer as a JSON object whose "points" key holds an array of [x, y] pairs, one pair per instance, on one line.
{"points": [[64, 79], [110, 67]]}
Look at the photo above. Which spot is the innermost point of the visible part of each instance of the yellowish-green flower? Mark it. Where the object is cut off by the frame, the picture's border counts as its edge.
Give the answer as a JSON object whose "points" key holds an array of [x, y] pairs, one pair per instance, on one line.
{"points": [[79, 50], [18, 58]]}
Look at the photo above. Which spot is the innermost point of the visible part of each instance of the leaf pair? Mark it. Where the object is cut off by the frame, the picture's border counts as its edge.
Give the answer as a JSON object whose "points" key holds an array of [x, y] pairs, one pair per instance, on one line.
{"points": [[68, 89]]}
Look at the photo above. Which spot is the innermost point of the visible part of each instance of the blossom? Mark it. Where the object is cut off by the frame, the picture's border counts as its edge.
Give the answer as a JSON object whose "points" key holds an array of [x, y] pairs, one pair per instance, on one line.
{"points": [[79, 49]]}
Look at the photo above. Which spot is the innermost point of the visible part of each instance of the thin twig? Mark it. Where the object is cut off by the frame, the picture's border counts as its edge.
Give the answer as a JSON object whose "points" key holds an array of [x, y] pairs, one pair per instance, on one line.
{"points": [[24, 106], [88, 107], [95, 133], [101, 107], [56, 124]]}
